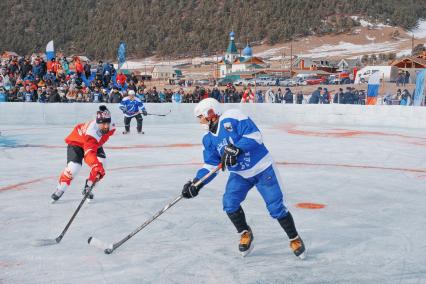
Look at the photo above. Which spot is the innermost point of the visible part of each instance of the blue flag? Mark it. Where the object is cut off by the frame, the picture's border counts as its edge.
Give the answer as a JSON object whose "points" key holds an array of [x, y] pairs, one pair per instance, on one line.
{"points": [[420, 86], [50, 50], [121, 54]]}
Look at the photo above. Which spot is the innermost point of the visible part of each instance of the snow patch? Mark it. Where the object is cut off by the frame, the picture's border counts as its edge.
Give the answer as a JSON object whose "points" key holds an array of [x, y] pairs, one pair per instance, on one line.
{"points": [[420, 30], [270, 52], [405, 52], [366, 24], [346, 49]]}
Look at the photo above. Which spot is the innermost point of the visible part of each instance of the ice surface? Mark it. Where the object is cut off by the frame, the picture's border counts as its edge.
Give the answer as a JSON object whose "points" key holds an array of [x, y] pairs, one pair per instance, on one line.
{"points": [[372, 181]]}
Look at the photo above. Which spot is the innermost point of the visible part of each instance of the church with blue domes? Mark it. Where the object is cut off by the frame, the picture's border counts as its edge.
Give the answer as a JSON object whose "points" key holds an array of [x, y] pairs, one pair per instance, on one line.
{"points": [[234, 63]]}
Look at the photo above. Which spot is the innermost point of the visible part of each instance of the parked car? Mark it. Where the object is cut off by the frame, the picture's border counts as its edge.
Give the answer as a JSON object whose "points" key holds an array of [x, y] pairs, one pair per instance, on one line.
{"points": [[316, 80], [288, 83], [338, 79], [243, 82], [387, 73], [263, 81], [224, 81], [203, 82]]}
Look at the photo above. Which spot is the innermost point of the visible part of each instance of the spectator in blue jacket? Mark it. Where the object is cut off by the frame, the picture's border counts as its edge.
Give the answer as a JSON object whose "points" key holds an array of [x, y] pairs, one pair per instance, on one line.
{"points": [[141, 95], [315, 97], [177, 97], [162, 96], [3, 96], [216, 94], [348, 96]]}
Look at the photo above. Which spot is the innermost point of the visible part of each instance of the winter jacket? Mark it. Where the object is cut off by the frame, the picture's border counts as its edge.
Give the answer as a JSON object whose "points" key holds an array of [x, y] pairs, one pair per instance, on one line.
{"points": [[288, 97], [315, 97]]}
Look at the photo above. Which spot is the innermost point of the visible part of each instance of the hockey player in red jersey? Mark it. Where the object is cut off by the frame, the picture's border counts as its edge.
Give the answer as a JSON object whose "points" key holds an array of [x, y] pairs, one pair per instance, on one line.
{"points": [[85, 142]]}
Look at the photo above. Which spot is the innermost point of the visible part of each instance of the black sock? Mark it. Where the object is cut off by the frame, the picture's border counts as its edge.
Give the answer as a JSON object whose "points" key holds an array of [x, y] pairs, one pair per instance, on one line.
{"points": [[287, 223], [238, 218]]}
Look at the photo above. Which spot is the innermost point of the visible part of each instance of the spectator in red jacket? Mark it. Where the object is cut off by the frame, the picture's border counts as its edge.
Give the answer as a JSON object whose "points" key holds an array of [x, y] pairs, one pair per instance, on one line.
{"points": [[78, 66], [121, 79]]}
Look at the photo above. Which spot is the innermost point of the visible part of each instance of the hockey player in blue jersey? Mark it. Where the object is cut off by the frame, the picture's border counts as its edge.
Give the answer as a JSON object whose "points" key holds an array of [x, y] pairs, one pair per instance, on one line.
{"points": [[132, 107], [235, 141]]}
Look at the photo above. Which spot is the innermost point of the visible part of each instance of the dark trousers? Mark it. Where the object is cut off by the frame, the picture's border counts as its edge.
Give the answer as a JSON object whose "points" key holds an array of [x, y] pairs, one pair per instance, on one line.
{"points": [[139, 120]]}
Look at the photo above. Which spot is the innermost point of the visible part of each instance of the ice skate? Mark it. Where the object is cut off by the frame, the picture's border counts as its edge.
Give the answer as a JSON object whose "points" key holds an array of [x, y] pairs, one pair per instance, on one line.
{"points": [[246, 242], [298, 247], [56, 195]]}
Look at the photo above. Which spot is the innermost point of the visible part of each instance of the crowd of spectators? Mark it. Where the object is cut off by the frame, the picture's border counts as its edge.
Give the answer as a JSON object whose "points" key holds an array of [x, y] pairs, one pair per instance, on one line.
{"points": [[35, 80]]}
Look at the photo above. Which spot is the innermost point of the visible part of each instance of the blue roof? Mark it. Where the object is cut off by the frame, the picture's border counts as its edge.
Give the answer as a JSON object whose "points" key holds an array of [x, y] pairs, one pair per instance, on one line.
{"points": [[248, 51], [232, 48]]}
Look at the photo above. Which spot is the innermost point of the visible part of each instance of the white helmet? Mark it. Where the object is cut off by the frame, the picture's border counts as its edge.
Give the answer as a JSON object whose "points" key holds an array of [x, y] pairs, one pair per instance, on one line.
{"points": [[131, 93], [207, 108]]}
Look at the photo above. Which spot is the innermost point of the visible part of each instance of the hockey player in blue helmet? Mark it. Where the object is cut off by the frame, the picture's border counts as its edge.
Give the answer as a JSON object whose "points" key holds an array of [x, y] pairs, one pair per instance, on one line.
{"points": [[235, 141]]}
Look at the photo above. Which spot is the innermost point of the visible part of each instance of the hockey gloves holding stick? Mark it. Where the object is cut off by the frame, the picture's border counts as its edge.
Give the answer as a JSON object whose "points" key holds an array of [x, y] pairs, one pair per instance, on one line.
{"points": [[144, 112], [229, 157], [190, 190], [97, 172]]}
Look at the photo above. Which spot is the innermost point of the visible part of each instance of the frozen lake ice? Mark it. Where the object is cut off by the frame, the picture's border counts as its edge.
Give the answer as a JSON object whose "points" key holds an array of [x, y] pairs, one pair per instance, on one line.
{"points": [[371, 230]]}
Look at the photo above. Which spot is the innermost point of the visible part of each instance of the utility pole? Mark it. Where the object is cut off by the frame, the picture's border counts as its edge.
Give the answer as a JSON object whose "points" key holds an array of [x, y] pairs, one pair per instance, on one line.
{"points": [[291, 58]]}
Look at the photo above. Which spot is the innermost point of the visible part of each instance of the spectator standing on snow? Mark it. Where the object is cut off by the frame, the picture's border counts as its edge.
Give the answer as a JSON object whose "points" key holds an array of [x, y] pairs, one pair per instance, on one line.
{"points": [[279, 96], [86, 69], [315, 97], [288, 96], [407, 77], [338, 97], [259, 97], [3, 95], [299, 98], [115, 96], [248, 96], [177, 97], [269, 96]]}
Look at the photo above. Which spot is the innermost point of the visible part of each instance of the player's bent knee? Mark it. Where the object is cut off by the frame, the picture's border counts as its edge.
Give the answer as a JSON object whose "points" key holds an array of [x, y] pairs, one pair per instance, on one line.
{"points": [[73, 168], [277, 209], [70, 172], [230, 205]]}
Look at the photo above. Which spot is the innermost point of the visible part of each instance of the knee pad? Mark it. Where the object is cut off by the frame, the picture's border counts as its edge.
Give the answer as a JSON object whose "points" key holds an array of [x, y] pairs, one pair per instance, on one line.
{"points": [[69, 173], [230, 205], [277, 209]]}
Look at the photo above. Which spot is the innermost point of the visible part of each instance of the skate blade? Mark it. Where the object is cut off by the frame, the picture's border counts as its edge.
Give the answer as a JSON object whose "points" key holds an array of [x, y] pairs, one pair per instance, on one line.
{"points": [[44, 242], [302, 256], [52, 201], [247, 252]]}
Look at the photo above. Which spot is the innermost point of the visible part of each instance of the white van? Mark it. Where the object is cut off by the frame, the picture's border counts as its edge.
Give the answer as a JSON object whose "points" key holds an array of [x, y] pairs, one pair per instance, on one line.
{"points": [[388, 73]]}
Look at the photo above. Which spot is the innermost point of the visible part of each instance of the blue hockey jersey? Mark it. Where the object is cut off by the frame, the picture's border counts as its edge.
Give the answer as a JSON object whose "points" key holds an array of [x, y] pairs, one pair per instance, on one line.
{"points": [[238, 129], [131, 108]]}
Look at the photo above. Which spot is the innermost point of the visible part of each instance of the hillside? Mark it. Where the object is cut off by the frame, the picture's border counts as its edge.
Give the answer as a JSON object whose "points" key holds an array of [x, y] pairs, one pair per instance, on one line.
{"points": [[184, 28]]}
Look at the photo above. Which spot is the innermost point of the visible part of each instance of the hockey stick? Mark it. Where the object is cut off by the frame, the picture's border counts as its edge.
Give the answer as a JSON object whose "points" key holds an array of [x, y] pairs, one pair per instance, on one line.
{"points": [[57, 240], [109, 248], [160, 114]]}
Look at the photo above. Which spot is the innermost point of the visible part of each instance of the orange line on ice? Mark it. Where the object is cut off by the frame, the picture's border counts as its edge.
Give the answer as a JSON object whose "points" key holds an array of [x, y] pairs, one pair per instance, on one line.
{"points": [[343, 133], [139, 146], [21, 184], [17, 185]]}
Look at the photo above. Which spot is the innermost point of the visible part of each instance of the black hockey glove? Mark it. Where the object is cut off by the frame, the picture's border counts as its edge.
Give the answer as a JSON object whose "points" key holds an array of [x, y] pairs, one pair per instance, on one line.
{"points": [[229, 157], [144, 112], [190, 190]]}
